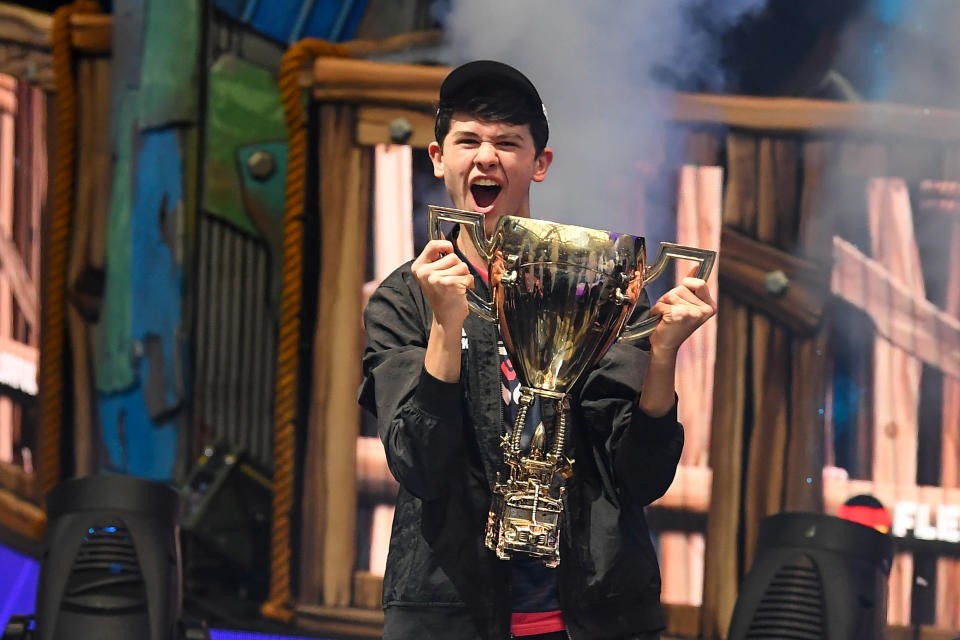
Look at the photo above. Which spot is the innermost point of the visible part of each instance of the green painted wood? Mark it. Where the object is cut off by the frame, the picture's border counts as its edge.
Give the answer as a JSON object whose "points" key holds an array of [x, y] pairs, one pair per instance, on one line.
{"points": [[244, 110], [169, 74], [113, 349]]}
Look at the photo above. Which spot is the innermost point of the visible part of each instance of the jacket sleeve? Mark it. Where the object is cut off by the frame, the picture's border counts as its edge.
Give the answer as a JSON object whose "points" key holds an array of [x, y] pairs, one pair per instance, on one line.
{"points": [[642, 451], [419, 417]]}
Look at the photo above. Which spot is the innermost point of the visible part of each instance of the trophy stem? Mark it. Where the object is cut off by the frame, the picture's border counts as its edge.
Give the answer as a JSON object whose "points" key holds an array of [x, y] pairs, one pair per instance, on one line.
{"points": [[526, 401], [561, 434]]}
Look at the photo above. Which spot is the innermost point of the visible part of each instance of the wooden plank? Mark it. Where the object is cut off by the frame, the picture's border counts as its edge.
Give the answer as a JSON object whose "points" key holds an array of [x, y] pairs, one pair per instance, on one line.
{"points": [[805, 442], [25, 291], [91, 33], [682, 620], [337, 621], [364, 48], [821, 116], [390, 96], [85, 265], [31, 65], [912, 323], [896, 372], [342, 79], [348, 73], [329, 503], [17, 481], [21, 517], [770, 373], [920, 632], [367, 590], [948, 569], [373, 125], [744, 269], [722, 568], [25, 26]]}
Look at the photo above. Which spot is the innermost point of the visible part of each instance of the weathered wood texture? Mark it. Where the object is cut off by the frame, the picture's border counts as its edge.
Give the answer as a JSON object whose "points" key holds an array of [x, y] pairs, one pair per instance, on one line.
{"points": [[722, 571], [25, 45], [900, 314], [85, 266], [362, 81], [796, 171], [329, 516]]}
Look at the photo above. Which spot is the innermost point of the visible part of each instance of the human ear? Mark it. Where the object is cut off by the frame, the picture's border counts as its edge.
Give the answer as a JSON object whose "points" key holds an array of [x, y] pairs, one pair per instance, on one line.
{"points": [[541, 164], [436, 156]]}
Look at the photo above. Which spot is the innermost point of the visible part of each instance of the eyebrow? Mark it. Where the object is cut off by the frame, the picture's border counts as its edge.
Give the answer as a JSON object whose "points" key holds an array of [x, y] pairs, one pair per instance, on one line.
{"points": [[512, 135]]}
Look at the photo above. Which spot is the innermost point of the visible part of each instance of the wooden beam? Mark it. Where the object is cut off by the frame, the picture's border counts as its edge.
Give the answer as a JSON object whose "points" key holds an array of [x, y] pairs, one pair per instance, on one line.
{"points": [[346, 80], [401, 42], [30, 64], [747, 267], [21, 517], [373, 125], [389, 96], [914, 324], [25, 26], [17, 481], [683, 620], [91, 33], [821, 116], [335, 621], [25, 291]]}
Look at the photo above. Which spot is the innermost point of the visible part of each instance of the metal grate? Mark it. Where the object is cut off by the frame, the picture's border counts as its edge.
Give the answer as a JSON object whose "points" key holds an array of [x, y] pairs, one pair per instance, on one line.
{"points": [[792, 605], [106, 575], [236, 342]]}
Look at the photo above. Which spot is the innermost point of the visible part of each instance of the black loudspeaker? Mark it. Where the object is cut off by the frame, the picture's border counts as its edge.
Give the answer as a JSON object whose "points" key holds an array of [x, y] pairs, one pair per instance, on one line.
{"points": [[226, 526], [814, 577], [110, 565]]}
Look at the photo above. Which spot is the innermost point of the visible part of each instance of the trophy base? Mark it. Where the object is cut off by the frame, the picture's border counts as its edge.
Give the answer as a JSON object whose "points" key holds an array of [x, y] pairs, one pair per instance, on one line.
{"points": [[524, 521]]}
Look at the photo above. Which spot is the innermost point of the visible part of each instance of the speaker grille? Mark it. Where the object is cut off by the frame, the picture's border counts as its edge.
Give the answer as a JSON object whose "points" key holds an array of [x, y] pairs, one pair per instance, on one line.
{"points": [[792, 605], [106, 575]]}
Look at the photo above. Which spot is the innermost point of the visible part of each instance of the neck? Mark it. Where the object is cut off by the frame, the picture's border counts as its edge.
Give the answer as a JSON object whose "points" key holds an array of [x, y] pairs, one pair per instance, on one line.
{"points": [[467, 248]]}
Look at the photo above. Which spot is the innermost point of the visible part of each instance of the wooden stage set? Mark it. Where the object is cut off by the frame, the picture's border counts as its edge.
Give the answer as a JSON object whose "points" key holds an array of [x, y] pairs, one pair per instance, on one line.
{"points": [[832, 369]]}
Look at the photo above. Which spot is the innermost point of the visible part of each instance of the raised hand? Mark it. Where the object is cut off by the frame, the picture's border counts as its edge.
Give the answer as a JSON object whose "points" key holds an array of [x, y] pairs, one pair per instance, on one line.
{"points": [[444, 279], [682, 310]]}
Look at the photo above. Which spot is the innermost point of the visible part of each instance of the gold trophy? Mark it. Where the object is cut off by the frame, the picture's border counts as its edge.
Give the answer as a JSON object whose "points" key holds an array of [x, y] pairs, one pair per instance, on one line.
{"points": [[562, 295]]}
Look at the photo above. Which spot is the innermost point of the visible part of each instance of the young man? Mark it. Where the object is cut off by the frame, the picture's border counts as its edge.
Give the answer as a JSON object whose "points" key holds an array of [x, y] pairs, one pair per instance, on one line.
{"points": [[442, 387]]}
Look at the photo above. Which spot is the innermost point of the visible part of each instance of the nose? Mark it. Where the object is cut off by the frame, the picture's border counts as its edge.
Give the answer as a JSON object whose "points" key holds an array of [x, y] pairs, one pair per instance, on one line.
{"points": [[486, 157]]}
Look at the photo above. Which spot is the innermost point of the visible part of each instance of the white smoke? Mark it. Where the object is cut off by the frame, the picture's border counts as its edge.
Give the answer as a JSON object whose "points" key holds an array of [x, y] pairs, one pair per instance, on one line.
{"points": [[594, 64]]}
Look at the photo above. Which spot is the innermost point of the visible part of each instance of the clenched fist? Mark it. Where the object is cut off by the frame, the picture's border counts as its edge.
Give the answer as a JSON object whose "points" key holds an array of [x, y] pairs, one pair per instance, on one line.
{"points": [[444, 279], [682, 310]]}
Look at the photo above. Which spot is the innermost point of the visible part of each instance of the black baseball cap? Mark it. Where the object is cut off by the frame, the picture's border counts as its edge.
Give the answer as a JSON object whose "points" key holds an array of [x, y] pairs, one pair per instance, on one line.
{"points": [[484, 71], [467, 76]]}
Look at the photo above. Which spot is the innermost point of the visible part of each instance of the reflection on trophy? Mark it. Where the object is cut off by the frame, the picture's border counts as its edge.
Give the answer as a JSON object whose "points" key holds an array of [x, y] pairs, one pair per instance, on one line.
{"points": [[562, 295]]}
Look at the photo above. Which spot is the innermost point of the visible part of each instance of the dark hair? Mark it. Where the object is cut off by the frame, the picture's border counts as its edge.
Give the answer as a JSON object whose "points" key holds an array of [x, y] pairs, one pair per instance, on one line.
{"points": [[494, 103]]}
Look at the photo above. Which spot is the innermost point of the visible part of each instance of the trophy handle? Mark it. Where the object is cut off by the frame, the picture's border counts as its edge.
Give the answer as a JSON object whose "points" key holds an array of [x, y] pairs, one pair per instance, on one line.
{"points": [[668, 250], [474, 222]]}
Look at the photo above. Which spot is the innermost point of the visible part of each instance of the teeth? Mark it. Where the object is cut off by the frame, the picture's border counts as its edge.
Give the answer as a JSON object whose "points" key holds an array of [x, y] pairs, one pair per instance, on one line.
{"points": [[485, 182]]}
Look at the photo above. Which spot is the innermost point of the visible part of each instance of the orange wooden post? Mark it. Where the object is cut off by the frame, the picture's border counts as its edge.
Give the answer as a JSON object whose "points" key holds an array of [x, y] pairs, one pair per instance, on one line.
{"points": [[896, 386], [948, 569]]}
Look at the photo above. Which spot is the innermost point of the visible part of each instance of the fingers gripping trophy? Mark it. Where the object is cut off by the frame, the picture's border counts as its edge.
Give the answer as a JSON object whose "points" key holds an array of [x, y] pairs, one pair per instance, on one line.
{"points": [[561, 296]]}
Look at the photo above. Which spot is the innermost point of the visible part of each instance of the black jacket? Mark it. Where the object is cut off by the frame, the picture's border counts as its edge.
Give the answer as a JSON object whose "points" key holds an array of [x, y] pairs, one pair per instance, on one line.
{"points": [[442, 444]]}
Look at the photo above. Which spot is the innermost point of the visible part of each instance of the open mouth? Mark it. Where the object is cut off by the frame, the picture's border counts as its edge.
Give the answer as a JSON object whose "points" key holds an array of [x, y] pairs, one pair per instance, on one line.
{"points": [[485, 192]]}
